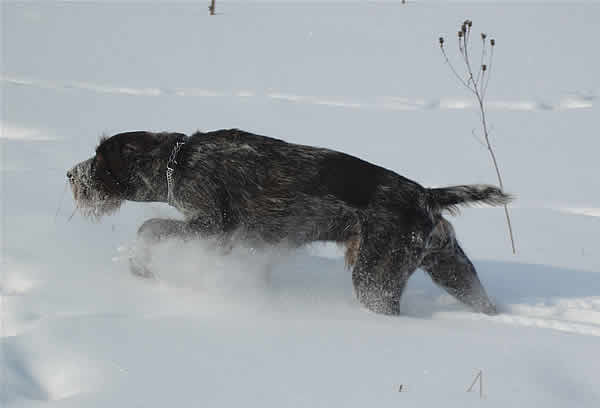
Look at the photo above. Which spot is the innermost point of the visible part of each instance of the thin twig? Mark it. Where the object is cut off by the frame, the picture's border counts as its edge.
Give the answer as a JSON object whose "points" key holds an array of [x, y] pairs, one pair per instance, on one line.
{"points": [[496, 167], [481, 71], [462, 81], [481, 142], [60, 202], [489, 69], [468, 64], [474, 381], [73, 214]]}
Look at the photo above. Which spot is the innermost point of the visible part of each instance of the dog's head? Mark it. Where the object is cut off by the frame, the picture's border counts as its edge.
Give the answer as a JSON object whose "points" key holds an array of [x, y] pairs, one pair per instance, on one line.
{"points": [[127, 166]]}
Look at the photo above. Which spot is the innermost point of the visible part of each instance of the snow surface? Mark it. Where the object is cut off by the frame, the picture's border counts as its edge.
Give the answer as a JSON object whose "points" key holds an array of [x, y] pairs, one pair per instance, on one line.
{"points": [[77, 330]]}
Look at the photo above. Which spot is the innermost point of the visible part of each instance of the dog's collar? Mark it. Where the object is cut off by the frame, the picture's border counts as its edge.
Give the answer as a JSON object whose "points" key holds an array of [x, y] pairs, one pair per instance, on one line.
{"points": [[171, 165]]}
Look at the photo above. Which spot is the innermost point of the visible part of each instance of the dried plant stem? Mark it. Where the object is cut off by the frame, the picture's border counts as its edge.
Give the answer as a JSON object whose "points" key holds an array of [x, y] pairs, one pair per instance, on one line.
{"points": [[478, 86], [479, 377], [496, 167]]}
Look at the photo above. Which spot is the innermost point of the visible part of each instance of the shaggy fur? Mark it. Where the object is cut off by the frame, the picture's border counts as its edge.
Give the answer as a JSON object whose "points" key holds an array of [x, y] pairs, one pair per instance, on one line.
{"points": [[234, 185]]}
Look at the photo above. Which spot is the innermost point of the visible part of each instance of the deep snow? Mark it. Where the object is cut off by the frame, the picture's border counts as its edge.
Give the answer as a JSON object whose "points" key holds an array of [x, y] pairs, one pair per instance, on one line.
{"points": [[363, 77]]}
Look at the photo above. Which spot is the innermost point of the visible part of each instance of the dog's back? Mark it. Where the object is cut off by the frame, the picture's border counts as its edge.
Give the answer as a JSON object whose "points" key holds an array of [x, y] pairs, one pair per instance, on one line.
{"points": [[289, 191], [264, 165]]}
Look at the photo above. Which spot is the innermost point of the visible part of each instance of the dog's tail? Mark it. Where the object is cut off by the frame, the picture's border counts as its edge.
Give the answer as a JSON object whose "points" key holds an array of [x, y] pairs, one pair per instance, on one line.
{"points": [[450, 198]]}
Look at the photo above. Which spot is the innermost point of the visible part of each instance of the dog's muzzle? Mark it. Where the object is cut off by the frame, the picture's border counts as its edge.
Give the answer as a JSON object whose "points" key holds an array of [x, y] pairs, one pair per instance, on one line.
{"points": [[92, 199]]}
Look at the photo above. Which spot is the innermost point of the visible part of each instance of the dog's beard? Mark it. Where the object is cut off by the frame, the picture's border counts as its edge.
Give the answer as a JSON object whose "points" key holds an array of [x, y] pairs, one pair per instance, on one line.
{"points": [[92, 200]]}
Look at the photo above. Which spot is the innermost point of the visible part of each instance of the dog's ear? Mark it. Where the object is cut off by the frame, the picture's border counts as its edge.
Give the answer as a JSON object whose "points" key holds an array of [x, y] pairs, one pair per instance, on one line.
{"points": [[115, 154], [99, 162], [103, 171]]}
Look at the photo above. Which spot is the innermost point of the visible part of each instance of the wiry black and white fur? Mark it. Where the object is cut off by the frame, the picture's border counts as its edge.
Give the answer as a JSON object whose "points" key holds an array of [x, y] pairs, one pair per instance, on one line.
{"points": [[231, 184]]}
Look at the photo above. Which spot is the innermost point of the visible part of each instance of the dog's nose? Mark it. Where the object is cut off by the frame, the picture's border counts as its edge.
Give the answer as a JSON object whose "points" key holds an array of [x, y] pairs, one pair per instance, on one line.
{"points": [[69, 175]]}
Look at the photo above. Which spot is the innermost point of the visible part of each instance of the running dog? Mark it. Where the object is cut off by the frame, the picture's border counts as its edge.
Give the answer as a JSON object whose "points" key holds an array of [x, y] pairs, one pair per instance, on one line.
{"points": [[234, 185]]}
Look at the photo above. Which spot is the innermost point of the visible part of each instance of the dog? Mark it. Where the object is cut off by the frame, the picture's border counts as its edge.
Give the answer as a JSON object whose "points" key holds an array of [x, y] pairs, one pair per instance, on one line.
{"points": [[233, 185]]}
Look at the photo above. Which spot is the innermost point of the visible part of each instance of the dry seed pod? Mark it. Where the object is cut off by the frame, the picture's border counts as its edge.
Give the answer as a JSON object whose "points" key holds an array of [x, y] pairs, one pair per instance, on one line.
{"points": [[484, 67], [483, 36], [493, 42], [441, 40]]}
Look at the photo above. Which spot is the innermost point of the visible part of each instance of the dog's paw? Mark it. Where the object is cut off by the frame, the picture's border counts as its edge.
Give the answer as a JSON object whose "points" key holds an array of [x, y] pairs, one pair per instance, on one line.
{"points": [[140, 269], [485, 306], [490, 310], [138, 259]]}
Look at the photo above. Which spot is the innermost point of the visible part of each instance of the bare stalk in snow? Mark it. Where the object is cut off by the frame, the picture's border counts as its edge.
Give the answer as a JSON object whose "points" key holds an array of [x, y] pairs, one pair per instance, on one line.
{"points": [[477, 84]]}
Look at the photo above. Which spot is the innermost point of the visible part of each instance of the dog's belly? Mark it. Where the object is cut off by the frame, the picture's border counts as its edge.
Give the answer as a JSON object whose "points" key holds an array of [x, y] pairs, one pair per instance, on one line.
{"points": [[298, 219]]}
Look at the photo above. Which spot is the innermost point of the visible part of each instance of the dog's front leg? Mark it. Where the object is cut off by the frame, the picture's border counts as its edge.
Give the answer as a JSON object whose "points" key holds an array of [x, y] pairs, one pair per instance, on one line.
{"points": [[154, 231]]}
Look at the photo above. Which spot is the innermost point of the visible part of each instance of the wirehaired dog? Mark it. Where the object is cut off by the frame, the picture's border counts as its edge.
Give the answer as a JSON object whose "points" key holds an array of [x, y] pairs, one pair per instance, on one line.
{"points": [[234, 185]]}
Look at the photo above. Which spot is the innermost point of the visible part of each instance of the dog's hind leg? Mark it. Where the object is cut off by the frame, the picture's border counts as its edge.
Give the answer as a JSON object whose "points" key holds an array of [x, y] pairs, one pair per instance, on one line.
{"points": [[382, 269], [449, 267]]}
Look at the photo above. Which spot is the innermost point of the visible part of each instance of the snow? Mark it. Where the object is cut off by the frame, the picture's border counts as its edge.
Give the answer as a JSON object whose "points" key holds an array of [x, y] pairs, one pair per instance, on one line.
{"points": [[77, 330]]}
